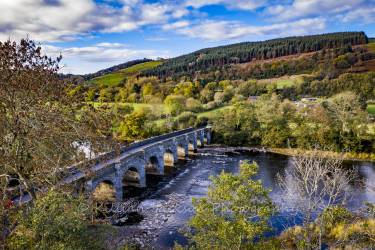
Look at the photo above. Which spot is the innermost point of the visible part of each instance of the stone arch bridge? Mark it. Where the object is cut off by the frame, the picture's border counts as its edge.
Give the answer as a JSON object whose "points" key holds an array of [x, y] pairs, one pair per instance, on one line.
{"points": [[147, 157]]}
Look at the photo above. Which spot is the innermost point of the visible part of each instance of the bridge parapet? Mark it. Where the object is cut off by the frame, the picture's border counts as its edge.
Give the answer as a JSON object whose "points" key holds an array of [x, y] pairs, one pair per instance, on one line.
{"points": [[155, 139]]}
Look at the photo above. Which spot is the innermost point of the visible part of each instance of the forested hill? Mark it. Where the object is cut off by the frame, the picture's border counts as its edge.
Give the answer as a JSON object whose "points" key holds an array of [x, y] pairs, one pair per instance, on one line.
{"points": [[252, 51]]}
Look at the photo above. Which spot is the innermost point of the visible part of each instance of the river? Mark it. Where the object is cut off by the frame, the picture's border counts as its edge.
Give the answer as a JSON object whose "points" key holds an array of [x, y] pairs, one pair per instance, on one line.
{"points": [[191, 177]]}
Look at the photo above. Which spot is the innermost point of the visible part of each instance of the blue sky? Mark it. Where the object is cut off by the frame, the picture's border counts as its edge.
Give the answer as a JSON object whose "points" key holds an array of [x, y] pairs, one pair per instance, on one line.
{"points": [[96, 34]]}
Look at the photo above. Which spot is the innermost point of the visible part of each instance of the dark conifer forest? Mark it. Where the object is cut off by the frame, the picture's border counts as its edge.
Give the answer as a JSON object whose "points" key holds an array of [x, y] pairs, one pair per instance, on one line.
{"points": [[252, 51]]}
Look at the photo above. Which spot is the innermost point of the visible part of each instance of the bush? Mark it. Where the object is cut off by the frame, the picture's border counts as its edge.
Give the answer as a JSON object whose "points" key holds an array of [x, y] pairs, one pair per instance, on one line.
{"points": [[202, 121], [210, 105], [56, 221], [186, 116], [238, 98], [194, 105], [191, 122]]}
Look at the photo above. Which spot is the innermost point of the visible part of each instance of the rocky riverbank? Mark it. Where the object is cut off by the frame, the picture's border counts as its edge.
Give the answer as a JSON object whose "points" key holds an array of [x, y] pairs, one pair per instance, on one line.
{"points": [[154, 212]]}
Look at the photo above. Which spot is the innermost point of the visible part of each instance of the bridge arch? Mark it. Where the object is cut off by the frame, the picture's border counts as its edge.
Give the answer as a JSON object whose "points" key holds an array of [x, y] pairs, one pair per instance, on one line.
{"points": [[155, 165], [170, 156], [132, 175], [106, 189], [182, 149]]}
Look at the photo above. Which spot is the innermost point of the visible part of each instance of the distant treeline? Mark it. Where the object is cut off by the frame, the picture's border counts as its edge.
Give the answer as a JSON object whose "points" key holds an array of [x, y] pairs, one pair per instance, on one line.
{"points": [[115, 68], [202, 60], [371, 40]]}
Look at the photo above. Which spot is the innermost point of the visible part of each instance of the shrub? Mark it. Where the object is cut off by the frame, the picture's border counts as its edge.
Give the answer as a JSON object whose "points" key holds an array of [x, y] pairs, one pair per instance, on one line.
{"points": [[210, 105], [194, 105], [202, 121], [186, 116], [56, 221]]}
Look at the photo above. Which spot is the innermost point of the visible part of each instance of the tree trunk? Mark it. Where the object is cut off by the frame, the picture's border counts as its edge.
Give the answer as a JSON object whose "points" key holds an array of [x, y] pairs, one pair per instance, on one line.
{"points": [[28, 186]]}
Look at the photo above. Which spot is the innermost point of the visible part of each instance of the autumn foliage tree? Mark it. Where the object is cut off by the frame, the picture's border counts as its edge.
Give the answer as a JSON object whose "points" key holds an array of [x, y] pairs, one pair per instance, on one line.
{"points": [[134, 126], [42, 129]]}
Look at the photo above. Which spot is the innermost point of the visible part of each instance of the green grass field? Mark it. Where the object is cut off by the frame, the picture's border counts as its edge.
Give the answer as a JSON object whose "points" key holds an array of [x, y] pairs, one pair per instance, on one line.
{"points": [[115, 78], [283, 82], [140, 67], [110, 79], [206, 113], [371, 109], [371, 46], [287, 82], [136, 106], [210, 112]]}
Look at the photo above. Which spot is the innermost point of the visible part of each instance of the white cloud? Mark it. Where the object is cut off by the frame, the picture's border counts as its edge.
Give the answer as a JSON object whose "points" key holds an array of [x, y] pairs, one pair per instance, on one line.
{"points": [[112, 45], [156, 39], [67, 20], [364, 15], [176, 25], [217, 31], [83, 60], [248, 5], [62, 20], [311, 8]]}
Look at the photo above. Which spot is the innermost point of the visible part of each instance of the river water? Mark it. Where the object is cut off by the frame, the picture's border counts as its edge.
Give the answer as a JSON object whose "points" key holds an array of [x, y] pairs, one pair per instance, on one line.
{"points": [[191, 178]]}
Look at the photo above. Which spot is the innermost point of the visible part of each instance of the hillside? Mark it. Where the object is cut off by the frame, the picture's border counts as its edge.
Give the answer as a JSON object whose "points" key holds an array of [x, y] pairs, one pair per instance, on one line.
{"points": [[203, 60], [323, 72], [114, 68], [116, 77]]}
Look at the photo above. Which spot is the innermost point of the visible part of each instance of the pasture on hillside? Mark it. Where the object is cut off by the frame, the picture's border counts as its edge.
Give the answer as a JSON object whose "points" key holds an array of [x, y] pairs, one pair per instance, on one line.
{"points": [[116, 77], [284, 81], [136, 106], [287, 82]]}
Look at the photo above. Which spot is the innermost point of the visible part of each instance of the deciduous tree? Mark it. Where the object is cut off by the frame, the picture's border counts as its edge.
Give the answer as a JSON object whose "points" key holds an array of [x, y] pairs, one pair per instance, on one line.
{"points": [[315, 182], [235, 211], [42, 129]]}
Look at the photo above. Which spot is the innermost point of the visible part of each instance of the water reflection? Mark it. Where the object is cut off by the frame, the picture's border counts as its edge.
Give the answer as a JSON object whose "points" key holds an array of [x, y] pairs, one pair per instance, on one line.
{"points": [[202, 166]]}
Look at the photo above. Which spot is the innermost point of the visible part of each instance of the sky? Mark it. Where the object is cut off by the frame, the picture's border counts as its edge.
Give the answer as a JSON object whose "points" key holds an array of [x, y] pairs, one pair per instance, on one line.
{"points": [[96, 34]]}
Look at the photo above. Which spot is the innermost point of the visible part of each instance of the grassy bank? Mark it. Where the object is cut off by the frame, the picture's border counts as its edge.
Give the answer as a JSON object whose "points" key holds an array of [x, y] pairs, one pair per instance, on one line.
{"points": [[210, 112], [347, 156]]}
